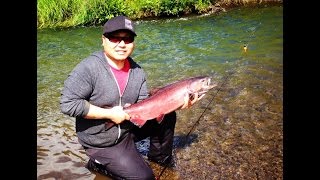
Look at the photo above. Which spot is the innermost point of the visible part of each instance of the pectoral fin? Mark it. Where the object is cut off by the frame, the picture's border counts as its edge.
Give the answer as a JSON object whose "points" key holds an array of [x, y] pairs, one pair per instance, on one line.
{"points": [[138, 122], [160, 118]]}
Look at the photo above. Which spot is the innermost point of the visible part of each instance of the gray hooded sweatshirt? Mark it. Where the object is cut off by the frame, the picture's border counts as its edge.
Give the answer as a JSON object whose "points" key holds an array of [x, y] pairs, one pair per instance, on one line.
{"points": [[92, 81]]}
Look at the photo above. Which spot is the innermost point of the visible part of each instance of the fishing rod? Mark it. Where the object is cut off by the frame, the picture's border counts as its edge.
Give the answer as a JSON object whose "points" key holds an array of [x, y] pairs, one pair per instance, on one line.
{"points": [[245, 48], [245, 51], [197, 122]]}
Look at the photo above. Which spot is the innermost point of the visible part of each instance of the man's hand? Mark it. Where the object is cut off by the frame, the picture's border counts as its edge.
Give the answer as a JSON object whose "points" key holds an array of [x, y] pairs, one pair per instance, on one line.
{"points": [[118, 115], [188, 102], [115, 114]]}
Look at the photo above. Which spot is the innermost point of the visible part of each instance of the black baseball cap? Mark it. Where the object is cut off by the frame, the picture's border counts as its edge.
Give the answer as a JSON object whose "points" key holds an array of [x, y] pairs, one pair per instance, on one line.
{"points": [[118, 23]]}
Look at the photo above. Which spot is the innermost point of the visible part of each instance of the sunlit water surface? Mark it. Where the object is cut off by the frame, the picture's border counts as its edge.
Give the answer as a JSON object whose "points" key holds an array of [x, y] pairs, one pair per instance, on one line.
{"points": [[240, 133]]}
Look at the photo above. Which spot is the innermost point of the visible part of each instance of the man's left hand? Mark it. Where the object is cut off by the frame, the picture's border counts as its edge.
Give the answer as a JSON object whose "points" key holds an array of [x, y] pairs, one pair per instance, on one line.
{"points": [[188, 102]]}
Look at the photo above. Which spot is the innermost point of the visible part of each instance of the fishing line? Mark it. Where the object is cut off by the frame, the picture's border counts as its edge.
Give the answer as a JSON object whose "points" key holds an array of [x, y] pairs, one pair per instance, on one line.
{"points": [[245, 49], [198, 120]]}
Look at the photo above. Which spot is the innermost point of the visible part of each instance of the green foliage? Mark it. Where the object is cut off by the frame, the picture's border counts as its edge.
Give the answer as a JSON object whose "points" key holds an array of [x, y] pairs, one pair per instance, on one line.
{"points": [[202, 5], [55, 13], [99, 11], [66, 13], [150, 7]]}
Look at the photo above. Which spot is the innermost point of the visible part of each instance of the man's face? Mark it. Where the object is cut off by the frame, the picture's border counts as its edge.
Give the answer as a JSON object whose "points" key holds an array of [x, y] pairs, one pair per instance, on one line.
{"points": [[118, 45]]}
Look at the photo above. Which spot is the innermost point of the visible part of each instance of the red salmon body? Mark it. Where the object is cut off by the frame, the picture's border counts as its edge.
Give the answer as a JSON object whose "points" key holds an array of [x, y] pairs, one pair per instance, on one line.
{"points": [[167, 99]]}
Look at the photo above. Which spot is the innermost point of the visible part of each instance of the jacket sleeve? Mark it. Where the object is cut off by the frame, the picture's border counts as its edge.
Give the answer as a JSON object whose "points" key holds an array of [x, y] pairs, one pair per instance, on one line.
{"points": [[76, 91]]}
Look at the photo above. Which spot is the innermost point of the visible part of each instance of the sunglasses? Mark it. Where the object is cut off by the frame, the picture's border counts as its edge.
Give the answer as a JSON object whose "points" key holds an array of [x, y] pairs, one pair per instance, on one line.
{"points": [[117, 39]]}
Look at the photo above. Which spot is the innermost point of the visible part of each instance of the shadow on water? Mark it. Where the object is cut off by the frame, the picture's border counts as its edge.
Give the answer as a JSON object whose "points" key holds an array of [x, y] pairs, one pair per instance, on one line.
{"points": [[178, 143], [181, 142]]}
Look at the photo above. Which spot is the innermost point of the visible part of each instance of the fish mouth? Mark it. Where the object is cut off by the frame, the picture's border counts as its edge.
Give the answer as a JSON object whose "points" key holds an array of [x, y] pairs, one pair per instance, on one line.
{"points": [[206, 87], [201, 86], [210, 86]]}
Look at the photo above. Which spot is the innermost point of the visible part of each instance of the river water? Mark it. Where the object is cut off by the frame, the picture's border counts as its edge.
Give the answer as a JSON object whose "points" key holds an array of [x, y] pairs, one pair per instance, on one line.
{"points": [[238, 135]]}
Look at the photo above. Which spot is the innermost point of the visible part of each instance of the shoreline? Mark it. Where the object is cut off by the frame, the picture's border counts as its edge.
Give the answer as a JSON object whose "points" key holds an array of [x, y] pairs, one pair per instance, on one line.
{"points": [[213, 9]]}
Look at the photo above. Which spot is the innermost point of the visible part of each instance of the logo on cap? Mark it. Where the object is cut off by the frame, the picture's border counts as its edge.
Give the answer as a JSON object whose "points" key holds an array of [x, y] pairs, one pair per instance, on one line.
{"points": [[128, 24]]}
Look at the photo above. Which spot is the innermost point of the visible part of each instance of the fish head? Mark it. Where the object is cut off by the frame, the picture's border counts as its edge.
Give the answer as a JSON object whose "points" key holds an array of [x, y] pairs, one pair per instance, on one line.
{"points": [[201, 85]]}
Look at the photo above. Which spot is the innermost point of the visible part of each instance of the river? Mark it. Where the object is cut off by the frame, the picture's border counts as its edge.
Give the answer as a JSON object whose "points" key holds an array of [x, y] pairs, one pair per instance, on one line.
{"points": [[238, 135]]}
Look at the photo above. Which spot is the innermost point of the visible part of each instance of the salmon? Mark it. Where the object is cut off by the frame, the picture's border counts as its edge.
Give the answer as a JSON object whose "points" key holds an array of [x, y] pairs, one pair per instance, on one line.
{"points": [[167, 99]]}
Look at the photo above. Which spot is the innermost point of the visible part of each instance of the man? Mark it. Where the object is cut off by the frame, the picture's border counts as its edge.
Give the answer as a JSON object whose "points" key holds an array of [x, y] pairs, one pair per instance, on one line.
{"points": [[95, 93]]}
